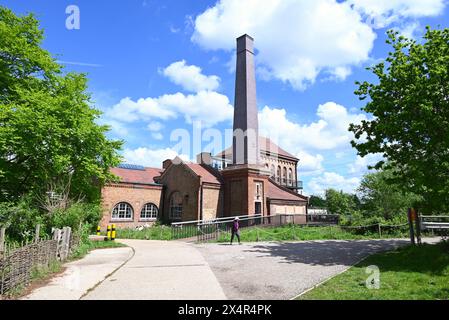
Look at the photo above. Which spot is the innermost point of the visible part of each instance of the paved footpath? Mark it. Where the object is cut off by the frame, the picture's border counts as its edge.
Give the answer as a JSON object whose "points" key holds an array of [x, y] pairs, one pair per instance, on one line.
{"points": [[175, 270], [161, 270], [82, 275]]}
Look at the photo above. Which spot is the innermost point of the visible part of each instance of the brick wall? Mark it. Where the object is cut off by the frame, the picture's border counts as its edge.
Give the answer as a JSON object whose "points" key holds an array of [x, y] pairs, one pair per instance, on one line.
{"points": [[179, 178], [136, 196]]}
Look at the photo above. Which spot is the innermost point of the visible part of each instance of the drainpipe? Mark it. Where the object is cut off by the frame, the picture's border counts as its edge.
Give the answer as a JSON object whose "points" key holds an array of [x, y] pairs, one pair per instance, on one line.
{"points": [[201, 200]]}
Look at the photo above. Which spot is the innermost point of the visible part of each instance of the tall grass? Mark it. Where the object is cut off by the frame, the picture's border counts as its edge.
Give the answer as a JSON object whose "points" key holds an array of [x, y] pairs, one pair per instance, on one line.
{"points": [[305, 233], [152, 233]]}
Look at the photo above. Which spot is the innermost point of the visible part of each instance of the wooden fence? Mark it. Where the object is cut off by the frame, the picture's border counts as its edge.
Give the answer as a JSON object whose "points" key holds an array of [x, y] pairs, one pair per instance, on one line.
{"points": [[18, 263]]}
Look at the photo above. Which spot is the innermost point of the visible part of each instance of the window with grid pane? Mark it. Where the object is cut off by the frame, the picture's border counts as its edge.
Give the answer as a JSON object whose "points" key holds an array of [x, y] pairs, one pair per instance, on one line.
{"points": [[122, 211], [149, 212], [176, 206]]}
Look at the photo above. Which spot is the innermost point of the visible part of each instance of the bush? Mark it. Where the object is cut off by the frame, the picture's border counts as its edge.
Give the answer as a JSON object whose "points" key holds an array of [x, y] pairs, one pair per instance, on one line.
{"points": [[20, 219], [77, 216]]}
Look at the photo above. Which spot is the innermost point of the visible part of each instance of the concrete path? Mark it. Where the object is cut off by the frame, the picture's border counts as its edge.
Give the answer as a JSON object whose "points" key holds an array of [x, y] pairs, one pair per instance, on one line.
{"points": [[280, 271], [82, 275], [161, 270]]}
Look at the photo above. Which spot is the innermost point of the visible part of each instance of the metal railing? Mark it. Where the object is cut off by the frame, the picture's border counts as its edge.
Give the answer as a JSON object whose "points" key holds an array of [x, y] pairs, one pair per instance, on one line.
{"points": [[434, 223], [210, 229]]}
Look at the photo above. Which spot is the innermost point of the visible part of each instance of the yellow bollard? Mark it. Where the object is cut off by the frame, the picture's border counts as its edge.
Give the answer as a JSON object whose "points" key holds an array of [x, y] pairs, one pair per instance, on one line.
{"points": [[113, 232], [98, 231], [108, 235]]}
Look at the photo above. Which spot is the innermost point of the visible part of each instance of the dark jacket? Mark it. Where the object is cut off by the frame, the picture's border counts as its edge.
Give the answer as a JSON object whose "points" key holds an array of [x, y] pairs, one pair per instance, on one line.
{"points": [[235, 226]]}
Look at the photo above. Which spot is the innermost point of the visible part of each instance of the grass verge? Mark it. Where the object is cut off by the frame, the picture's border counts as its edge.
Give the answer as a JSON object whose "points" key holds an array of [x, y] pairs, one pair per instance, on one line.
{"points": [[152, 233], [409, 273], [89, 245], [304, 233]]}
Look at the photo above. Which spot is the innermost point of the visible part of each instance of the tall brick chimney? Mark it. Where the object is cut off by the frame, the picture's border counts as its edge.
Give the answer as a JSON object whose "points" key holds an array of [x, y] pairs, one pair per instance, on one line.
{"points": [[246, 124]]}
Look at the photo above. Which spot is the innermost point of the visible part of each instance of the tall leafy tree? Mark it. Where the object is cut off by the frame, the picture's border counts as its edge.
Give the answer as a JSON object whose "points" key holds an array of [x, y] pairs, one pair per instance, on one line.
{"points": [[48, 129], [410, 105], [339, 202], [381, 198]]}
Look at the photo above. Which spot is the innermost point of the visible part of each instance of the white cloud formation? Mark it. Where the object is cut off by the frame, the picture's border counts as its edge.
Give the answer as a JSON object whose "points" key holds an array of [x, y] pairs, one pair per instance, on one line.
{"points": [[208, 107], [150, 157], [297, 40], [390, 11], [318, 185], [328, 133], [309, 164], [155, 126], [157, 136], [190, 77], [360, 164]]}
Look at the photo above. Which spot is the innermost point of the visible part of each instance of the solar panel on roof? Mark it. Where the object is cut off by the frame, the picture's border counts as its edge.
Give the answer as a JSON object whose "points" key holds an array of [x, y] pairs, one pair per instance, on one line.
{"points": [[131, 167]]}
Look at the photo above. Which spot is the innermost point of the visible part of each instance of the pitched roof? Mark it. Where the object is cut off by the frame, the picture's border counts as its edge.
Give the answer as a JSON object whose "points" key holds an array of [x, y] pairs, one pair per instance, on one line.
{"points": [[277, 192], [206, 175], [142, 176], [265, 145]]}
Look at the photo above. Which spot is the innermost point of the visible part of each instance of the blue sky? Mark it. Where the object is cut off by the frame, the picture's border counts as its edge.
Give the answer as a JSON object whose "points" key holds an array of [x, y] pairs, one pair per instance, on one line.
{"points": [[157, 66]]}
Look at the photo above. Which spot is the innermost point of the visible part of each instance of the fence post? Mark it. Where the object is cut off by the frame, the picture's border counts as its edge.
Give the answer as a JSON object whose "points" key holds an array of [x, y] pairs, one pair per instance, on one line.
{"points": [[380, 230], [418, 228], [37, 233], [2, 240], [411, 217], [66, 241]]}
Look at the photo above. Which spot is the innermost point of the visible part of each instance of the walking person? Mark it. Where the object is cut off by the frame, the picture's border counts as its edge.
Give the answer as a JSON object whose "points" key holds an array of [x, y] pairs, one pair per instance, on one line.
{"points": [[236, 230]]}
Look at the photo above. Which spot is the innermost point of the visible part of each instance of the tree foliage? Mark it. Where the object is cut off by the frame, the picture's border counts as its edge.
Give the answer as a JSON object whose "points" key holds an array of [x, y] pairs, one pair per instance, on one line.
{"points": [[48, 129], [339, 202], [381, 198], [410, 124], [317, 202]]}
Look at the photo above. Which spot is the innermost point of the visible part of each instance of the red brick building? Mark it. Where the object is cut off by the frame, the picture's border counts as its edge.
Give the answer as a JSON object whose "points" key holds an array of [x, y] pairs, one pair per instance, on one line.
{"points": [[255, 176]]}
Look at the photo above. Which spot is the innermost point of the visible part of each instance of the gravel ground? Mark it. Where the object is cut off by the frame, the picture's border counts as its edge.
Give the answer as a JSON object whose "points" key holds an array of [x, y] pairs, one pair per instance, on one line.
{"points": [[280, 271]]}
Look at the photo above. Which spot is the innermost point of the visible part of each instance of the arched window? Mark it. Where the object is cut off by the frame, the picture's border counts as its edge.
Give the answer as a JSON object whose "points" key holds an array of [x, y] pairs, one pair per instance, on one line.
{"points": [[273, 171], [278, 175], [284, 176], [149, 212], [122, 211], [176, 206], [290, 177]]}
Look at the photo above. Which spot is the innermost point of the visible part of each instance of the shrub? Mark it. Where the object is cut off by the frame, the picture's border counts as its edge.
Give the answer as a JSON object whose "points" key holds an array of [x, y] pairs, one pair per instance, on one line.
{"points": [[20, 219], [77, 216]]}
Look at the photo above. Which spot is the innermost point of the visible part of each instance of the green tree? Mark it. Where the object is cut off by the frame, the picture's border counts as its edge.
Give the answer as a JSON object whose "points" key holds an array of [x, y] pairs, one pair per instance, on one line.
{"points": [[339, 202], [381, 198], [317, 202], [48, 129], [410, 105]]}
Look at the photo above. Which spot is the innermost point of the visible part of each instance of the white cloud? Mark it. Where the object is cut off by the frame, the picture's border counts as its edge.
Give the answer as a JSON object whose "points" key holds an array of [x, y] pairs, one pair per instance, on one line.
{"points": [[190, 77], [208, 107], [297, 40], [150, 157], [328, 133], [155, 126], [310, 164], [360, 164], [318, 185], [392, 10], [157, 136]]}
